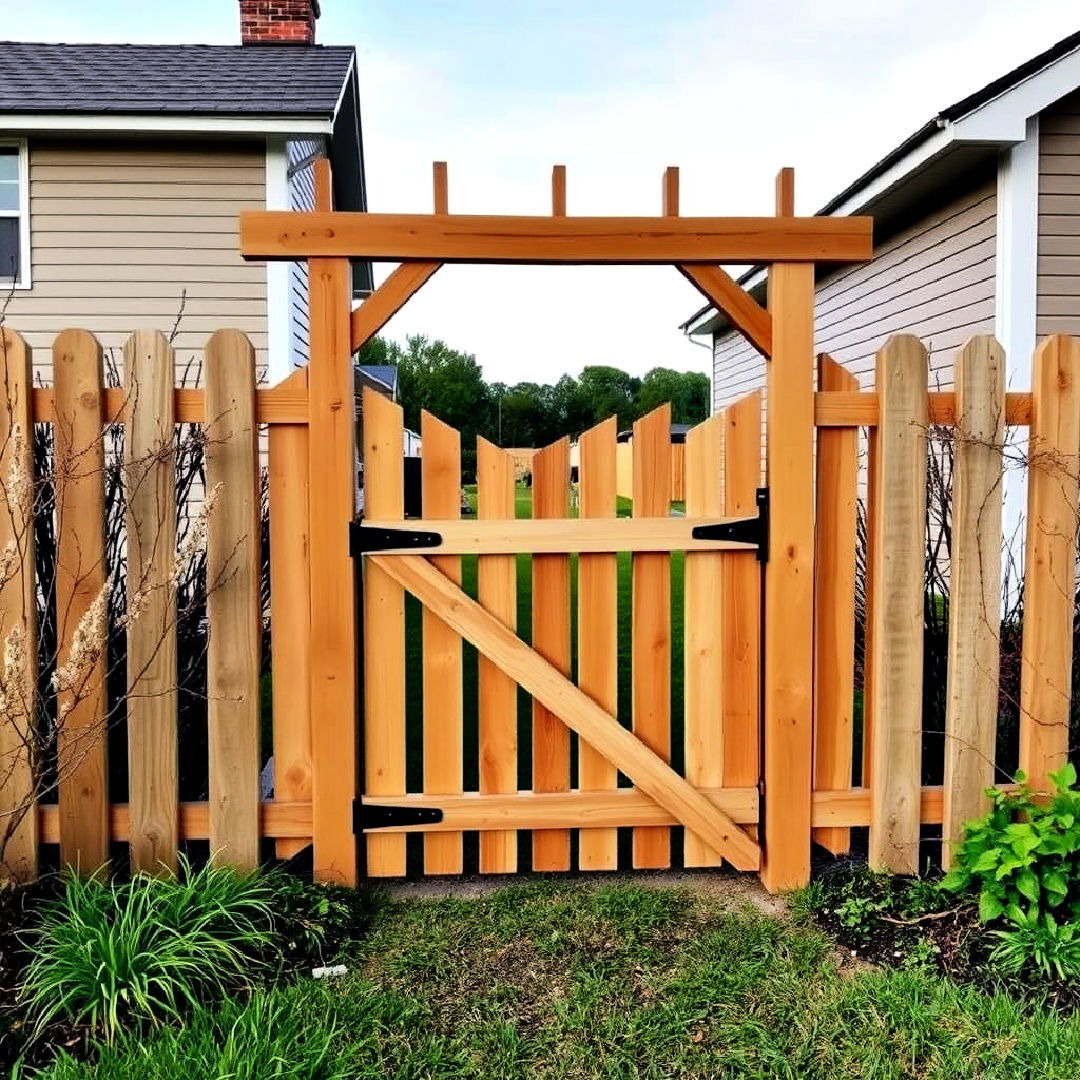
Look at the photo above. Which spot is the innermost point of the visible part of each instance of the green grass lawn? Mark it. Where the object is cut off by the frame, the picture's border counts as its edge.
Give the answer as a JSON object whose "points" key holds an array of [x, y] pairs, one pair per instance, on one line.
{"points": [[603, 982]]}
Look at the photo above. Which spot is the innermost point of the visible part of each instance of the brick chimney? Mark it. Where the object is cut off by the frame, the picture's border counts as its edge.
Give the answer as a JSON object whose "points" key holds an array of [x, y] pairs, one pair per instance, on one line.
{"points": [[278, 22]]}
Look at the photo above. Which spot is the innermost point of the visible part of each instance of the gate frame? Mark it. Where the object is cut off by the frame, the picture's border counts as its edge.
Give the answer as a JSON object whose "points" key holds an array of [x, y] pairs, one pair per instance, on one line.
{"points": [[783, 333]]}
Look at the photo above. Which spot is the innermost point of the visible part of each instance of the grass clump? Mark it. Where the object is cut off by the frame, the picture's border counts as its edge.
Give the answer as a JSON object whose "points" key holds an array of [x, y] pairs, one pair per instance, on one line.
{"points": [[145, 951]]}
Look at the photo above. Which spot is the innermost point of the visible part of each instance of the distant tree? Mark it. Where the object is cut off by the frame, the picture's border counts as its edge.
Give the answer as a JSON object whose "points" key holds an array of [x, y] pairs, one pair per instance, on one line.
{"points": [[688, 392], [607, 391]]}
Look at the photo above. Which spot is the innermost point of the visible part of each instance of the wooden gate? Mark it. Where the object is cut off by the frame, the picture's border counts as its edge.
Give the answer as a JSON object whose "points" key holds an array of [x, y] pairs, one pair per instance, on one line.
{"points": [[522, 573]]}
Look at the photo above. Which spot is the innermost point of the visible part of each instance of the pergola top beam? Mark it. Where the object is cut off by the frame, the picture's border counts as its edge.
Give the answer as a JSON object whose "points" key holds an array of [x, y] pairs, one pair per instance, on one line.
{"points": [[469, 238]]}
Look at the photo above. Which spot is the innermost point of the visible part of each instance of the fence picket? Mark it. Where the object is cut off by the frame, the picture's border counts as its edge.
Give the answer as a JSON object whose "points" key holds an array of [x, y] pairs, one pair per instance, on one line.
{"points": [[79, 456], [384, 630], [651, 603], [497, 593], [551, 638], [740, 600], [18, 610], [598, 632], [900, 492], [704, 627], [834, 605], [290, 616], [1050, 577], [150, 487], [443, 749], [233, 604]]}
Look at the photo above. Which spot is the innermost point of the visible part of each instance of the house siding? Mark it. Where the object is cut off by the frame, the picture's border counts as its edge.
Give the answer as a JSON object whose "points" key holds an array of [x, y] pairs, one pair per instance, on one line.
{"points": [[130, 235], [1058, 281], [934, 278], [301, 197]]}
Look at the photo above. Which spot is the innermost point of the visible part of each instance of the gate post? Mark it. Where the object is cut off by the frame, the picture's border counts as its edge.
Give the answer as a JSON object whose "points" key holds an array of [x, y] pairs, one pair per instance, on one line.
{"points": [[788, 694], [332, 508]]}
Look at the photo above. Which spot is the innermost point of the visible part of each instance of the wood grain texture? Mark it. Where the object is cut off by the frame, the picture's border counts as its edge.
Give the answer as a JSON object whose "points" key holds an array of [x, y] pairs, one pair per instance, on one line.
{"points": [[562, 698], [269, 234], [789, 580], [440, 188], [387, 300], [598, 632], [728, 296], [740, 601], [18, 611], [234, 604], [82, 744], [1050, 576], [855, 408], [834, 603], [384, 631], [971, 708], [150, 492], [899, 553], [331, 507], [443, 730], [704, 628], [290, 617], [497, 594], [551, 640], [651, 621], [558, 190]]}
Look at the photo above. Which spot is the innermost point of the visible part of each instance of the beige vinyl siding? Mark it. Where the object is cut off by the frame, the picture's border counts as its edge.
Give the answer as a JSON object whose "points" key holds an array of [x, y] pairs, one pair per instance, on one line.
{"points": [[120, 230], [935, 278], [1058, 304]]}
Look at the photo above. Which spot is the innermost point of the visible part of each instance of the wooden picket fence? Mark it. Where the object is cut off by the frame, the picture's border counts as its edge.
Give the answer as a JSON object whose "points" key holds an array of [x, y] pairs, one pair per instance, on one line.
{"points": [[82, 819]]}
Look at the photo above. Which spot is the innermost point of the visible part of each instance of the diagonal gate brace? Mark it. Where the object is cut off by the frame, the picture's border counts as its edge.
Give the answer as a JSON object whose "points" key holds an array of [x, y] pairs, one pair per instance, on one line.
{"points": [[573, 706]]}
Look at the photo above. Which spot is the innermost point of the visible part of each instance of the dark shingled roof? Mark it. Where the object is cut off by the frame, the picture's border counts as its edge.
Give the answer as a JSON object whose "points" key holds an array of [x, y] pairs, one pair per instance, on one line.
{"points": [[233, 80]]}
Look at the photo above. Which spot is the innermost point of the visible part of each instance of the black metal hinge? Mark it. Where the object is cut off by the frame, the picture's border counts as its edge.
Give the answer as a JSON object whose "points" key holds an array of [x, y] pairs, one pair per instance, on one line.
{"points": [[364, 538], [753, 530], [367, 816]]}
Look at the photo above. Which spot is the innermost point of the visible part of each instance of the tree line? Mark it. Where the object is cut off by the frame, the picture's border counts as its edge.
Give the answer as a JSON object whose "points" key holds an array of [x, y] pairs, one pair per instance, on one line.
{"points": [[451, 384]]}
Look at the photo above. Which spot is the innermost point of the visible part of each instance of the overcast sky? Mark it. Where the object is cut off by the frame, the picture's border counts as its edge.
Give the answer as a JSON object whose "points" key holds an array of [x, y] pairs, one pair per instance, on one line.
{"points": [[729, 90]]}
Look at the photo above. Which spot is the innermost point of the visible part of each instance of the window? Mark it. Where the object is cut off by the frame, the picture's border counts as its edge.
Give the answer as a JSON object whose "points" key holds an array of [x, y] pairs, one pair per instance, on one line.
{"points": [[14, 230]]}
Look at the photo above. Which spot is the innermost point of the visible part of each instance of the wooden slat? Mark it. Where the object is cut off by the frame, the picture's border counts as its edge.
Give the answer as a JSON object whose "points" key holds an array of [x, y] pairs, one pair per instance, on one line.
{"points": [[234, 605], [440, 188], [551, 639], [290, 617], [497, 593], [388, 299], [704, 643], [788, 701], [150, 491], [286, 403], [1050, 575], [868, 620], [324, 184], [670, 192], [899, 553], [331, 506], [853, 408], [270, 234], [728, 296], [560, 536], [81, 601], [785, 192], [651, 621], [546, 684], [974, 587], [740, 601], [384, 631], [598, 632], [558, 190], [595, 812], [18, 613], [834, 603], [443, 732]]}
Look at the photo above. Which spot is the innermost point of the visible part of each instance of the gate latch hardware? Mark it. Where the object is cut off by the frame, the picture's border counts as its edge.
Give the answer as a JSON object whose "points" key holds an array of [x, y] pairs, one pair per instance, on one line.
{"points": [[364, 538], [367, 816], [753, 530]]}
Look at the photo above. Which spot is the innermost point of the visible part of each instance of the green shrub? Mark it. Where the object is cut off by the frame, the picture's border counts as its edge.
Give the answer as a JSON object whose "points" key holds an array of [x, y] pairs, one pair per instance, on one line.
{"points": [[1023, 860], [270, 1035], [146, 950]]}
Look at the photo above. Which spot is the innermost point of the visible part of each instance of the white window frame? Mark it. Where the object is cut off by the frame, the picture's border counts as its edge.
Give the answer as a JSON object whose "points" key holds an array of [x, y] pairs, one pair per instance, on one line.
{"points": [[23, 280]]}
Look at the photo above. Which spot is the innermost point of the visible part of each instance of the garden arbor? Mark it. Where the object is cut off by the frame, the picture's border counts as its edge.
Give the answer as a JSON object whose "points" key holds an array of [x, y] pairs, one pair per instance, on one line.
{"points": [[783, 333]]}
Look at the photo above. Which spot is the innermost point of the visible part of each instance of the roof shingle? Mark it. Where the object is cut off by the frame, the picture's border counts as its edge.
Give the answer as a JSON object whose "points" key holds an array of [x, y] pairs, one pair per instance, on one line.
{"points": [[234, 80]]}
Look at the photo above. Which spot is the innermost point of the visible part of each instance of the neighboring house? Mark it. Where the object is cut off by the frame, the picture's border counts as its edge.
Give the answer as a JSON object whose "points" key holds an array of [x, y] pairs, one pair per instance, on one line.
{"points": [[123, 169], [976, 230], [382, 378]]}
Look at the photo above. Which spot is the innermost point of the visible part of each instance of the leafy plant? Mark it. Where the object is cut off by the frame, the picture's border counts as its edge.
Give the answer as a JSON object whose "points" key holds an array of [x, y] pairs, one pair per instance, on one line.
{"points": [[147, 950], [1024, 856]]}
